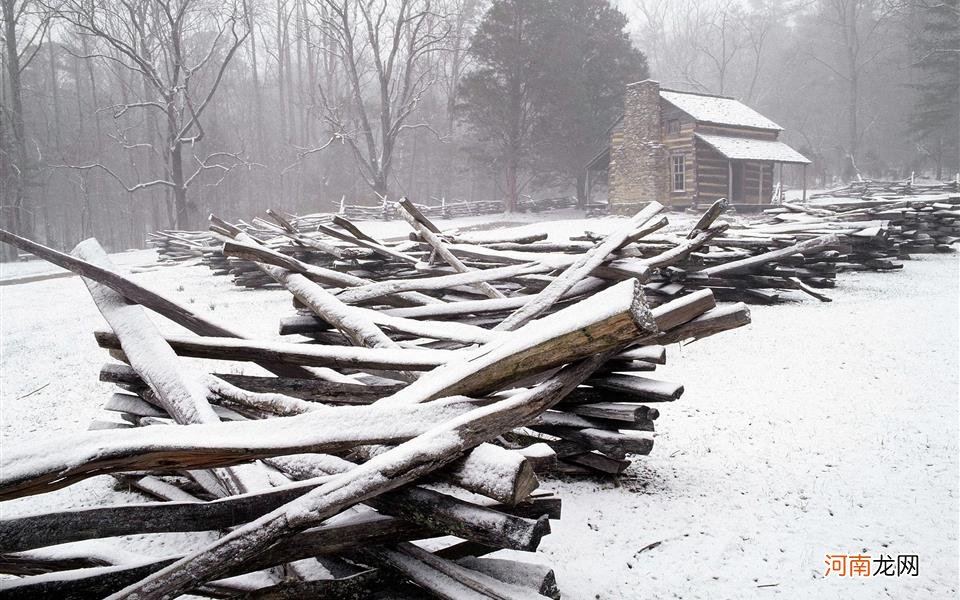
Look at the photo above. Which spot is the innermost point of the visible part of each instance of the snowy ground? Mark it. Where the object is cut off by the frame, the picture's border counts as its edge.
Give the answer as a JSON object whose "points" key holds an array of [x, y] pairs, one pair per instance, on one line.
{"points": [[818, 429]]}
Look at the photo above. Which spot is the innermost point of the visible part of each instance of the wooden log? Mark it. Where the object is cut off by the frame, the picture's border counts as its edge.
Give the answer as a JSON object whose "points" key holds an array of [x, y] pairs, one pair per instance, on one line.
{"points": [[354, 533], [541, 457], [457, 309], [353, 229], [747, 265], [385, 288], [350, 321], [349, 357], [349, 587], [441, 249], [644, 231], [489, 470], [432, 510], [366, 243], [496, 473], [577, 271], [182, 394], [612, 443], [446, 579], [682, 250], [50, 464], [155, 487], [706, 220], [382, 473], [615, 411], [136, 293], [315, 390], [809, 290], [584, 329], [418, 216], [451, 331], [596, 462], [709, 323], [577, 421], [652, 354], [642, 388], [252, 252], [59, 527], [446, 514], [540, 577]]}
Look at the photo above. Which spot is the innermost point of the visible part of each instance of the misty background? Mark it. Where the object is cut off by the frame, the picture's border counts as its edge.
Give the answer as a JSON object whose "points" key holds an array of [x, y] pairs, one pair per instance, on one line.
{"points": [[121, 117]]}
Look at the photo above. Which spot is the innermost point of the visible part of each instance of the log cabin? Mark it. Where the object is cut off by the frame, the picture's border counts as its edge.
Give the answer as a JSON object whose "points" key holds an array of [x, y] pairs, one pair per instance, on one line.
{"points": [[686, 149]]}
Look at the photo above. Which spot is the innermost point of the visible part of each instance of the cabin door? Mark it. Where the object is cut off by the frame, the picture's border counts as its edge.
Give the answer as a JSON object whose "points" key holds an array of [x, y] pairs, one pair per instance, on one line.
{"points": [[736, 181]]}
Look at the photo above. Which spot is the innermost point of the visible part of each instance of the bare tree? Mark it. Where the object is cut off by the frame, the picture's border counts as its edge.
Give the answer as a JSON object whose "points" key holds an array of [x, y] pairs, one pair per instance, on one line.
{"points": [[180, 50], [382, 49], [25, 23], [854, 42], [717, 36]]}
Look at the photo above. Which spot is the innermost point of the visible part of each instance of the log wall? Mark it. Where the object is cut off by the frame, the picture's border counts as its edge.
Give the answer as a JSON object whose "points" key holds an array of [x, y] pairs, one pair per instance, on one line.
{"points": [[681, 142], [712, 173]]}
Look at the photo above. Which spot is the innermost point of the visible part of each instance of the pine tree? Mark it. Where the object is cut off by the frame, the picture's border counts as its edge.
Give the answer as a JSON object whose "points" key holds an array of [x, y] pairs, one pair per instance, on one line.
{"points": [[549, 80]]}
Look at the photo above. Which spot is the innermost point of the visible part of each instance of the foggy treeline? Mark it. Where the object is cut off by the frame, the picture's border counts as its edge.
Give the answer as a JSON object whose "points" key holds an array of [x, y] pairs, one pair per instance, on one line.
{"points": [[120, 117]]}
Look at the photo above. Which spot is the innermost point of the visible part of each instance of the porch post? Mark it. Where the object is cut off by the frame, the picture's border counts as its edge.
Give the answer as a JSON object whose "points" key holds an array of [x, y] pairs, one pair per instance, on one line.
{"points": [[586, 192], [729, 181], [763, 167], [804, 182]]}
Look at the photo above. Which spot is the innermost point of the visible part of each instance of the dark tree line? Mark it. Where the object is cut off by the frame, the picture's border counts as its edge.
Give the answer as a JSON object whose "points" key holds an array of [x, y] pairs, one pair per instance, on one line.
{"points": [[118, 117]]}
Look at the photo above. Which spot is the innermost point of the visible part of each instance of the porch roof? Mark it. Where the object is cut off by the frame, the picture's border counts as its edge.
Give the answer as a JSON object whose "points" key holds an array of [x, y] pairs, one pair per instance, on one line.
{"points": [[737, 148]]}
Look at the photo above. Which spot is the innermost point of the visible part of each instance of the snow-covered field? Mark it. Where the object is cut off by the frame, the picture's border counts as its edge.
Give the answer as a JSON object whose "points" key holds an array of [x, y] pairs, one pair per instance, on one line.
{"points": [[818, 429]]}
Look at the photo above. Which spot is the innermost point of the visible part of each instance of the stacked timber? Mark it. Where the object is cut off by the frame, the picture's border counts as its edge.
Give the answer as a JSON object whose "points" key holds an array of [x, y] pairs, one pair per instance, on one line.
{"points": [[390, 425], [179, 246], [791, 249], [906, 187], [387, 211], [892, 227], [546, 204]]}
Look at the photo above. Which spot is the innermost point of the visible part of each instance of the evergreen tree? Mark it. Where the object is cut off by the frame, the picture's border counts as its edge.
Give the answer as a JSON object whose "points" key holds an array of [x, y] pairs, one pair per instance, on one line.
{"points": [[549, 80], [589, 62]]}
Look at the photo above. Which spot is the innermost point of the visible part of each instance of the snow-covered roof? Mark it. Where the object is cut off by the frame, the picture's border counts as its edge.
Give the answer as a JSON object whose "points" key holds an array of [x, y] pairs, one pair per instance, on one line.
{"points": [[750, 149], [717, 109]]}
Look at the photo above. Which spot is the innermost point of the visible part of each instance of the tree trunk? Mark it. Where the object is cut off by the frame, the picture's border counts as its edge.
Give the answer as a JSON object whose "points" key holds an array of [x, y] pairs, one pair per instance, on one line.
{"points": [[852, 126], [14, 204], [281, 87], [380, 186], [182, 219], [254, 72], [512, 188], [849, 20], [582, 190], [88, 208]]}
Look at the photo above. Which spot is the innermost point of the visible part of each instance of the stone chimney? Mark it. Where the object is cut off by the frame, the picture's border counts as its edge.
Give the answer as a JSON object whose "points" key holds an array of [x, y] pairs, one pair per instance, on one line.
{"points": [[638, 166]]}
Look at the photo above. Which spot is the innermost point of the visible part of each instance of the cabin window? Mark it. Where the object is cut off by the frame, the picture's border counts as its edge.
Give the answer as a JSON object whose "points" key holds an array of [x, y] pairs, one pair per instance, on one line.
{"points": [[673, 126], [678, 168]]}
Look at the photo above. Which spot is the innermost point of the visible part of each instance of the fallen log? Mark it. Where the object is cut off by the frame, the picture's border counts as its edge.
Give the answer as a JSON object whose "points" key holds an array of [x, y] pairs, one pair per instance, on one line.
{"points": [[47, 465], [440, 248], [577, 271], [382, 473], [346, 357], [136, 293], [747, 265], [182, 395]]}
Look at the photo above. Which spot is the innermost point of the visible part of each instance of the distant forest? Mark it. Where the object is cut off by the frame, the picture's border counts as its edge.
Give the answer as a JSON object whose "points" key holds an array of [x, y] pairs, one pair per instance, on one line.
{"points": [[120, 117]]}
